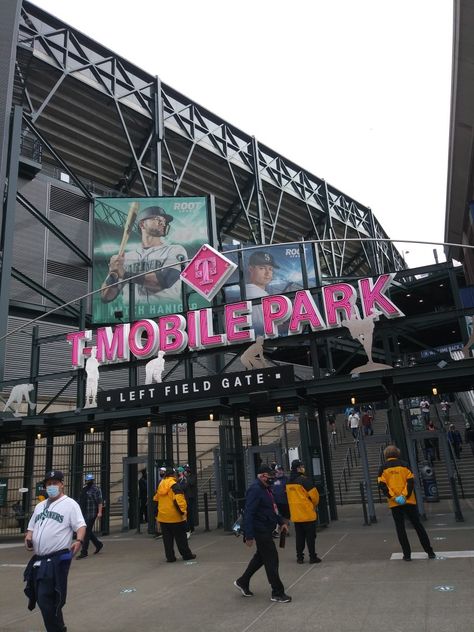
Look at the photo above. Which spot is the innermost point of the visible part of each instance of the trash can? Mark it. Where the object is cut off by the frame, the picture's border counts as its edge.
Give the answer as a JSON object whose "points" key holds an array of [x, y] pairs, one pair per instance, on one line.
{"points": [[430, 486]]}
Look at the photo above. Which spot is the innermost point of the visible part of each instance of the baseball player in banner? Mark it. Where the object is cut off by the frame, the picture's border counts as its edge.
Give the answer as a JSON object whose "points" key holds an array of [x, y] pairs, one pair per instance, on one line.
{"points": [[150, 237]]}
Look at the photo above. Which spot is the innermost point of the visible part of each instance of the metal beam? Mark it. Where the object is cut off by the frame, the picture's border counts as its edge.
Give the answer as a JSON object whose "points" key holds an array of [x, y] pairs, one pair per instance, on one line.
{"points": [[42, 291]]}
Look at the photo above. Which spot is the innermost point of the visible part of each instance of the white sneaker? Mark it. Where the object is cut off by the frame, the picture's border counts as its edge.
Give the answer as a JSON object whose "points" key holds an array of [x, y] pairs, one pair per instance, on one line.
{"points": [[188, 534]]}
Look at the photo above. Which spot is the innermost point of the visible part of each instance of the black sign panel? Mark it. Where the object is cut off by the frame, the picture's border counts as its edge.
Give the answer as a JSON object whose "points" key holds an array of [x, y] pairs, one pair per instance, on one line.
{"points": [[189, 390]]}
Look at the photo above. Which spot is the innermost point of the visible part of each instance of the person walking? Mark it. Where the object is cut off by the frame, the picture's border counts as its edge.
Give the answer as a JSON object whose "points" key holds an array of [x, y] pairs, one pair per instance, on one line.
{"points": [[172, 511], [90, 501], [50, 536], [279, 493], [425, 410], [303, 498], [469, 436], [397, 483], [260, 520], [455, 440], [354, 423]]}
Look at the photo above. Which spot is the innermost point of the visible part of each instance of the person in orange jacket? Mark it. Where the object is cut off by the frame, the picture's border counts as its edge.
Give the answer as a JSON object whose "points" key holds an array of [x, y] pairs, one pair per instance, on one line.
{"points": [[397, 482], [172, 512], [303, 498]]}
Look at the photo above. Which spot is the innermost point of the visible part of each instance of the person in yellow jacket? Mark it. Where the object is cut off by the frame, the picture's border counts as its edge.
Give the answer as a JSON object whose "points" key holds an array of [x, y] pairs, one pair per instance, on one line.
{"points": [[397, 482], [303, 498], [172, 511]]}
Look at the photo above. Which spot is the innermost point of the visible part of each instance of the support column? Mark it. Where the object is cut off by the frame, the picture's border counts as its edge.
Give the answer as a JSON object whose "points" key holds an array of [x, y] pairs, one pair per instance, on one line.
{"points": [[8, 226], [77, 472], [191, 423], [132, 447], [28, 482], [105, 481], [327, 467], [254, 436]]}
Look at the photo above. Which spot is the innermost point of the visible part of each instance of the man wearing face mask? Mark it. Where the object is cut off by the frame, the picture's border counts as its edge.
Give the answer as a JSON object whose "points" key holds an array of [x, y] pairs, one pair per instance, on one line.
{"points": [[303, 498], [49, 536], [260, 520], [90, 501]]}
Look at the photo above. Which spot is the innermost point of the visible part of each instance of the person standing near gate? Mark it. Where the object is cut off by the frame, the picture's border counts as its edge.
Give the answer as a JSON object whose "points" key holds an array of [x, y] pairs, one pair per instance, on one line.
{"points": [[303, 498], [397, 483], [260, 520], [90, 501], [49, 536], [172, 513]]}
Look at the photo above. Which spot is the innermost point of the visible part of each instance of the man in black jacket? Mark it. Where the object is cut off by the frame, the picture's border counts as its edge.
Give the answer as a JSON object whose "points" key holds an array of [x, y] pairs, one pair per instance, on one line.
{"points": [[260, 520]]}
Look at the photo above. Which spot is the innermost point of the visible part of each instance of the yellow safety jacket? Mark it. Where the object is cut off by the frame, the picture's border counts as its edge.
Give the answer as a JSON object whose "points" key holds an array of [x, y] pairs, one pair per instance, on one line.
{"points": [[172, 506], [303, 498], [396, 479]]}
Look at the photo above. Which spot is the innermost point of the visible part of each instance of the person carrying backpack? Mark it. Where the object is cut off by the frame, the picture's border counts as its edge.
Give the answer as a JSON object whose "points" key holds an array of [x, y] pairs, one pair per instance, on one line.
{"points": [[397, 483]]}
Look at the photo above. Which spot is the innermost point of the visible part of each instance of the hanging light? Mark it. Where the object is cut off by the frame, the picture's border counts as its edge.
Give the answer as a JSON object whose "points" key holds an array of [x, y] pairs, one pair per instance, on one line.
{"points": [[148, 423], [211, 416], [278, 409], [38, 436], [92, 430], [434, 390], [353, 400]]}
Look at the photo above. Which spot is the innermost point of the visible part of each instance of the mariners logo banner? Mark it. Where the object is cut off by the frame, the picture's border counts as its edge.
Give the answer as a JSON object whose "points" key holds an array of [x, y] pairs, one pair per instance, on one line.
{"points": [[140, 245]]}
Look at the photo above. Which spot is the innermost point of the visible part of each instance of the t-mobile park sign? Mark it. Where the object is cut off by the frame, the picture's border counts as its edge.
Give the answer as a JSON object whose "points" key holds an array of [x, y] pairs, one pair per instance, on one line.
{"points": [[174, 333]]}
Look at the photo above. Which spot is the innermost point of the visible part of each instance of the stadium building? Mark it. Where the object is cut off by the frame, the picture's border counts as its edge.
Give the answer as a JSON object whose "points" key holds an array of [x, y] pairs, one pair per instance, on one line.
{"points": [[93, 148]]}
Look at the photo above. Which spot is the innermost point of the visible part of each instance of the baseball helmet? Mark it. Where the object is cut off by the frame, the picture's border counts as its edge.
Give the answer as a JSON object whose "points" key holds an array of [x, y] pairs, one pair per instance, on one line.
{"points": [[153, 211]]}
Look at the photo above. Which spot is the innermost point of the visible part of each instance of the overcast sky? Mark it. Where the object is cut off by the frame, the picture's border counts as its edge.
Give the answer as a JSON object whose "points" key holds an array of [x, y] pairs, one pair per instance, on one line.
{"points": [[356, 92]]}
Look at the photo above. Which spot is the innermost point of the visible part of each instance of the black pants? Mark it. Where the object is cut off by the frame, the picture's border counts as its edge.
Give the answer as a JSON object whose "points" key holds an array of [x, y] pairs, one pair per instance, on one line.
{"points": [[191, 505], [175, 531], [266, 555], [305, 533], [90, 536], [143, 510], [46, 598], [411, 512]]}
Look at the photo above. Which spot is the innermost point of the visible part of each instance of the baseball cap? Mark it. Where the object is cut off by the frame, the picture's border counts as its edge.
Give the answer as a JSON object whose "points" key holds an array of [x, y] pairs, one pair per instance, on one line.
{"points": [[265, 469], [54, 475], [89, 477], [153, 211], [262, 258], [180, 469], [296, 464]]}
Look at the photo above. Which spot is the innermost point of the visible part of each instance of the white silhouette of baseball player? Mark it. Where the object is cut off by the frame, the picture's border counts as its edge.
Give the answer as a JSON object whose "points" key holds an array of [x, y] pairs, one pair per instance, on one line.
{"points": [[252, 357], [154, 369], [19, 393], [92, 383]]}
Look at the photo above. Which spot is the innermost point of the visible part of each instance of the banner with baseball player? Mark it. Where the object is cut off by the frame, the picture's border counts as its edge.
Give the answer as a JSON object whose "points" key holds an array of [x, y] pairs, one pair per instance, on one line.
{"points": [[276, 269], [140, 245]]}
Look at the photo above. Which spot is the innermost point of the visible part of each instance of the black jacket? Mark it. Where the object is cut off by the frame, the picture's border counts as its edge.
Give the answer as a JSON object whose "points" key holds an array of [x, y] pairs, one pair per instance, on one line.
{"points": [[54, 566], [259, 514]]}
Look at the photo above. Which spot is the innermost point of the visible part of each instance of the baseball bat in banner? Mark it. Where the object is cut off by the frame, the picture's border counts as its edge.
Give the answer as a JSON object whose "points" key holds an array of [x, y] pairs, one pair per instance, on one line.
{"points": [[127, 229]]}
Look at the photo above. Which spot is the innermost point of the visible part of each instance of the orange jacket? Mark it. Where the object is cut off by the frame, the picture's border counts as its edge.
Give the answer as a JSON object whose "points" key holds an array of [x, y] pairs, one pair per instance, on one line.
{"points": [[303, 498], [172, 506]]}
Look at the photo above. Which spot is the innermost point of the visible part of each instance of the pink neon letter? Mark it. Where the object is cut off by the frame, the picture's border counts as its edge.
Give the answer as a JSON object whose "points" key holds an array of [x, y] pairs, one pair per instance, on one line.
{"points": [[236, 317], [111, 345], [78, 340], [193, 337], [208, 338], [276, 309], [173, 337], [336, 300], [373, 295], [305, 312], [150, 348]]}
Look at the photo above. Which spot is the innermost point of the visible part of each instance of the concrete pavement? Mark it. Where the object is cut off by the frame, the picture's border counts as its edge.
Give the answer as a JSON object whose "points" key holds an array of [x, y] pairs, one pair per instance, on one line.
{"points": [[358, 587]]}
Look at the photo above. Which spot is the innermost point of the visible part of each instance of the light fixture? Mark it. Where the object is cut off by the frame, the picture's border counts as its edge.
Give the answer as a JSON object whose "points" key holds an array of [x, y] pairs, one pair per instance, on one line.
{"points": [[148, 423], [278, 409], [92, 429], [211, 416], [408, 295], [420, 300], [441, 285], [38, 436], [353, 400], [434, 390]]}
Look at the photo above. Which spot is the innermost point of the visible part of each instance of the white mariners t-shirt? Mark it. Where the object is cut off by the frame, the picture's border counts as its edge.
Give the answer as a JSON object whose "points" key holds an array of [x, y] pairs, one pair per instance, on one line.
{"points": [[254, 291], [153, 258], [53, 524]]}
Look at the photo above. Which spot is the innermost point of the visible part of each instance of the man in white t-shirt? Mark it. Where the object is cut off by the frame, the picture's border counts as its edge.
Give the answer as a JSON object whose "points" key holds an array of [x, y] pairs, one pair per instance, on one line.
{"points": [[354, 423], [50, 535]]}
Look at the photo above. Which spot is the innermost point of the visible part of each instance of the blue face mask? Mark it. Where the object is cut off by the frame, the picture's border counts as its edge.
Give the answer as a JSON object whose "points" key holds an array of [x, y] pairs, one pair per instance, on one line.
{"points": [[52, 491]]}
